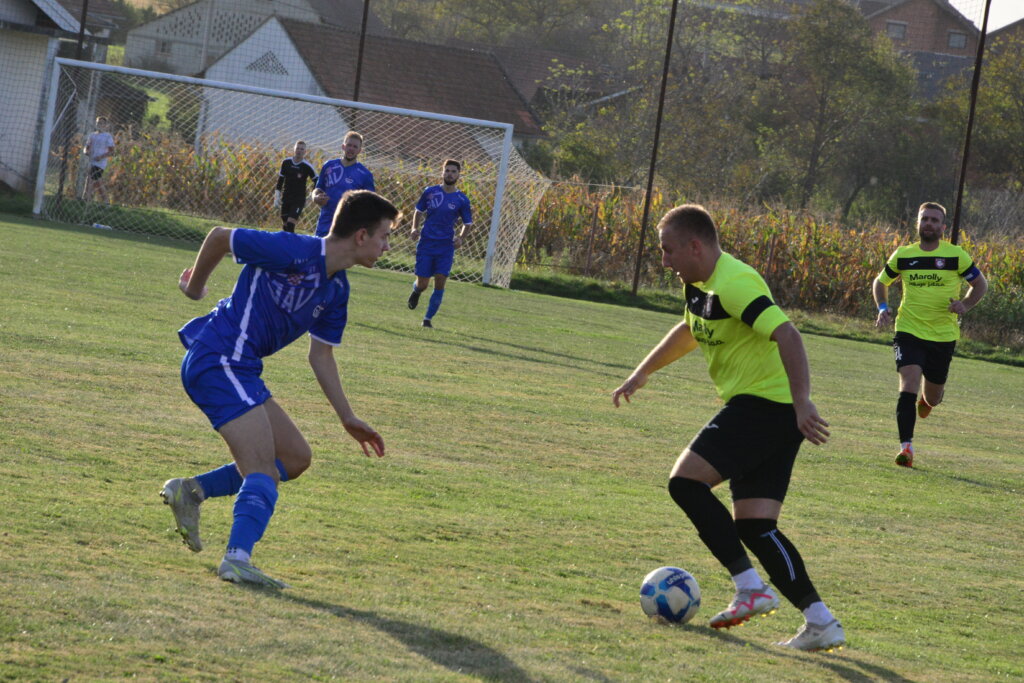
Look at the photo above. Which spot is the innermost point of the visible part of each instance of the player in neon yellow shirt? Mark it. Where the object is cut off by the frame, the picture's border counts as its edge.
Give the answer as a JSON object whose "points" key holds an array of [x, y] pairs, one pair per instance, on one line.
{"points": [[927, 327], [757, 362]]}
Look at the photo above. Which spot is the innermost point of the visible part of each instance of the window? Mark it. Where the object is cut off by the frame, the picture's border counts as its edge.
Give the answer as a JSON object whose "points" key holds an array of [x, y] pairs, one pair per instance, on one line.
{"points": [[897, 30], [957, 40], [163, 47]]}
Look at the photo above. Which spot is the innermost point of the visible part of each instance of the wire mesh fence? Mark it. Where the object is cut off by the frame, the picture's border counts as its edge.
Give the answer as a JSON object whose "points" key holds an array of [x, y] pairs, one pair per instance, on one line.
{"points": [[214, 154], [848, 109]]}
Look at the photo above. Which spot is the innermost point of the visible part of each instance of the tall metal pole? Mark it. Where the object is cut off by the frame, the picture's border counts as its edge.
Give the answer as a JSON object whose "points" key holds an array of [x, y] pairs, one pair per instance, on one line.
{"points": [[362, 43], [81, 28], [954, 236], [205, 50], [654, 149]]}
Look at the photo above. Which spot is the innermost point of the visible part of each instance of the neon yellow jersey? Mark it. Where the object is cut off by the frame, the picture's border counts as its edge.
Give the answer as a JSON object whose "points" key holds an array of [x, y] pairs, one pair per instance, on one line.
{"points": [[930, 280], [732, 317]]}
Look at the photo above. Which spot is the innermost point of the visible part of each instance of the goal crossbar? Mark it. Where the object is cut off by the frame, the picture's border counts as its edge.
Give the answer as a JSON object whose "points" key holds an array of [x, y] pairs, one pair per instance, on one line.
{"points": [[496, 233]]}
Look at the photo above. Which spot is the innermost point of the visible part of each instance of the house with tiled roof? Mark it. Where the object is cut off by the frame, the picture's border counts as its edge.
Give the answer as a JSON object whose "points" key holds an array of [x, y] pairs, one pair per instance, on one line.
{"points": [[187, 40], [934, 26], [293, 56]]}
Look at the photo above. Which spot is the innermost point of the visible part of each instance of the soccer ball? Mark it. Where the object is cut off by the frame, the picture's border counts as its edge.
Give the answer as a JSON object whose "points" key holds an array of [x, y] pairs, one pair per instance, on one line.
{"points": [[671, 594]]}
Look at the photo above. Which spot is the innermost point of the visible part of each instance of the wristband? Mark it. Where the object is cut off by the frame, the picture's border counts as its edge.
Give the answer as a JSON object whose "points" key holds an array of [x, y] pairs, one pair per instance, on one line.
{"points": [[883, 307]]}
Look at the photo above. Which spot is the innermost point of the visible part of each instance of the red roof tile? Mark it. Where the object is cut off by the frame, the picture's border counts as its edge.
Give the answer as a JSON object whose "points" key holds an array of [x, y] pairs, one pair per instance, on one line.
{"points": [[413, 75]]}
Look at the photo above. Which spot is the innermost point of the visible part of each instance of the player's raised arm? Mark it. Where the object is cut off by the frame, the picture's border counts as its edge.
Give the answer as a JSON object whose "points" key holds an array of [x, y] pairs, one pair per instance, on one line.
{"points": [[216, 245], [325, 368], [677, 343], [794, 360]]}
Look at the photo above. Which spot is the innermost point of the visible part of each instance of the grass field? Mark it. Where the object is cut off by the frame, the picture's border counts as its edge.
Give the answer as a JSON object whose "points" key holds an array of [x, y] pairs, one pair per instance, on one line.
{"points": [[505, 534]]}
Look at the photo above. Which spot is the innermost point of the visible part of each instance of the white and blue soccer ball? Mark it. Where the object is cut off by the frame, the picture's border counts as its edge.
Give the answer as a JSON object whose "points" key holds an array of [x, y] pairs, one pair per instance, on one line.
{"points": [[671, 594]]}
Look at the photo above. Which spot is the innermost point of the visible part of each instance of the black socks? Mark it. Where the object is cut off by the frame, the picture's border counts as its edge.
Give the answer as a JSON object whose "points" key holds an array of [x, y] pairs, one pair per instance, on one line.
{"points": [[780, 559], [906, 415], [713, 522]]}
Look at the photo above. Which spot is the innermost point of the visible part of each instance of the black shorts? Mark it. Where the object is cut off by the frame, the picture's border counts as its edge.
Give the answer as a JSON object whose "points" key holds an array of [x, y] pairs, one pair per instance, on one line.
{"points": [[292, 209], [933, 357], [95, 173], [753, 443]]}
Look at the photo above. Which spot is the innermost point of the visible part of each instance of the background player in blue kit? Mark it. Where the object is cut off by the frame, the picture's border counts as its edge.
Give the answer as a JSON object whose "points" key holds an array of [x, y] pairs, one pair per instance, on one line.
{"points": [[290, 284], [290, 192], [442, 205], [339, 176]]}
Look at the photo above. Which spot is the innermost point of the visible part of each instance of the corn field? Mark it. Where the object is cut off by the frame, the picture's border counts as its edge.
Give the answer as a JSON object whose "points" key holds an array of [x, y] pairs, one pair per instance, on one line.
{"points": [[811, 263]]}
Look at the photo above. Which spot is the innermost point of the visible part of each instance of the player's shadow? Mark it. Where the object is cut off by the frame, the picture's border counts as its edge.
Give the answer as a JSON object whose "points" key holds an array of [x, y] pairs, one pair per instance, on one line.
{"points": [[1005, 488], [453, 651], [542, 356], [842, 663]]}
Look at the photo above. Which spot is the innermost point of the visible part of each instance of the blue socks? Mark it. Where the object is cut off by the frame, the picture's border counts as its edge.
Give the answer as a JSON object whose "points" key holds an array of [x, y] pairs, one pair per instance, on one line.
{"points": [[223, 481], [253, 509], [226, 481], [435, 303]]}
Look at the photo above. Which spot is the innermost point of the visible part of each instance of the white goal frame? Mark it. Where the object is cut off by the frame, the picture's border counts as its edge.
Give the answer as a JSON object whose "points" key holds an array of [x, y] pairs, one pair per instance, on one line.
{"points": [[489, 274]]}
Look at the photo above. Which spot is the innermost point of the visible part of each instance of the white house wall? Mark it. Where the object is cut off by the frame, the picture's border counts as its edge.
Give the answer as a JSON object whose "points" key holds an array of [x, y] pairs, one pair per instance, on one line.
{"points": [[184, 31], [267, 59], [18, 12], [23, 80]]}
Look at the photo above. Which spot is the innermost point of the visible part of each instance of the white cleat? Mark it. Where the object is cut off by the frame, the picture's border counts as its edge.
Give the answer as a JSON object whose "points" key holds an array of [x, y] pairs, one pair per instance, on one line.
{"points": [[746, 604], [184, 497], [818, 637], [237, 571]]}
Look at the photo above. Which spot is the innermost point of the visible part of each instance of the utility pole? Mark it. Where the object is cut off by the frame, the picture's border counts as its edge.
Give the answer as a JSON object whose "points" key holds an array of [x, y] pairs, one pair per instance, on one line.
{"points": [[654, 149]]}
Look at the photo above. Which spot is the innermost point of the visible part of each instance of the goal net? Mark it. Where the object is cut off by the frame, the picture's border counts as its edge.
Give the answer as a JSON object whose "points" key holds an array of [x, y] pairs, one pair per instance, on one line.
{"points": [[193, 153]]}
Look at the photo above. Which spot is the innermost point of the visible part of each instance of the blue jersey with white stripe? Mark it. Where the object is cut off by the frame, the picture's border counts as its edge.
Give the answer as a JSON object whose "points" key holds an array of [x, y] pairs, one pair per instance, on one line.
{"points": [[336, 179], [282, 292], [443, 209]]}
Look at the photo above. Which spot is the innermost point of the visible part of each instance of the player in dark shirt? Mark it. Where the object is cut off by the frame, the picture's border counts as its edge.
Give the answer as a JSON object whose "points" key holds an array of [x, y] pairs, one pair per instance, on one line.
{"points": [[290, 194]]}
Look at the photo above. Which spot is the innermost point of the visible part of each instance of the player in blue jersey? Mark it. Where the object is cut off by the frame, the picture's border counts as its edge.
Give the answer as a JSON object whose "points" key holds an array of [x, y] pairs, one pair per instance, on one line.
{"points": [[291, 284], [339, 176], [441, 206]]}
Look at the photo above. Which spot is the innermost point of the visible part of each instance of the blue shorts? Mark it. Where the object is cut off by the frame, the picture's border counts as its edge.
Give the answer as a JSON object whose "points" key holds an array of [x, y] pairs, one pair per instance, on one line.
{"points": [[223, 390], [434, 259]]}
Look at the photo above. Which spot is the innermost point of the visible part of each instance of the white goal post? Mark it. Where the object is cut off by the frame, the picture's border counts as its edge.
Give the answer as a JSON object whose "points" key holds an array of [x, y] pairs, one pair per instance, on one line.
{"points": [[193, 153]]}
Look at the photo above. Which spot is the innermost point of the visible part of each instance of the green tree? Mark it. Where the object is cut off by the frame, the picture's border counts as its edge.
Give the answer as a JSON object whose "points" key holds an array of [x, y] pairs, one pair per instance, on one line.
{"points": [[999, 117], [841, 80]]}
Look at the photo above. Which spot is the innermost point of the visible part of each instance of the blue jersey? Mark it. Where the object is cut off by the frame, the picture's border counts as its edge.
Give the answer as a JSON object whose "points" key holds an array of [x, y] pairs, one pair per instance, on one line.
{"points": [[336, 179], [443, 209], [282, 292]]}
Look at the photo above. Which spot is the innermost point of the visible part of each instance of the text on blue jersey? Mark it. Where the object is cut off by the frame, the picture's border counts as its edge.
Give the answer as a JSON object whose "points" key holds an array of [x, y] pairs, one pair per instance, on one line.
{"points": [[442, 210], [282, 292], [336, 179]]}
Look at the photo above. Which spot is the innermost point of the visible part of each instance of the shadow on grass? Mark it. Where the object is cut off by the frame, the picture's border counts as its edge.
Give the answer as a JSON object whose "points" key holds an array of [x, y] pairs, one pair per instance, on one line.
{"points": [[450, 650], [1005, 487], [842, 663], [542, 356]]}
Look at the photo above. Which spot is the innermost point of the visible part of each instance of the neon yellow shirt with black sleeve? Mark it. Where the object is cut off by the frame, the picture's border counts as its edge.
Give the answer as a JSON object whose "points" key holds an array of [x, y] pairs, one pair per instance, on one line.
{"points": [[930, 280], [732, 316]]}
